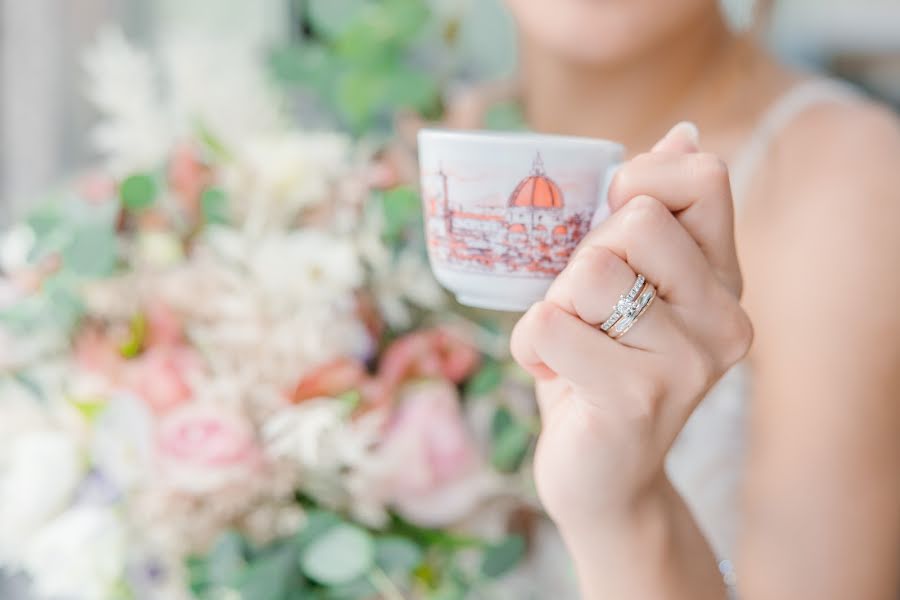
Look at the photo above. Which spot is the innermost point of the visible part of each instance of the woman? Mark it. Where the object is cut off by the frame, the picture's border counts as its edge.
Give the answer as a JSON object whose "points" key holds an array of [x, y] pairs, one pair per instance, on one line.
{"points": [[810, 506]]}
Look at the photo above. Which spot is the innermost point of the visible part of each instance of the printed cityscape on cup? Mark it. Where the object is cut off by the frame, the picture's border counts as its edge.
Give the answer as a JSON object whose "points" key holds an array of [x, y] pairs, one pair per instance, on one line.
{"points": [[504, 211], [533, 232]]}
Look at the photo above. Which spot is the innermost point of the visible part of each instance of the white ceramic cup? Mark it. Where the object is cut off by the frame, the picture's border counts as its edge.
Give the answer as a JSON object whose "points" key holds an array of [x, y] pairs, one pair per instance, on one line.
{"points": [[504, 211]]}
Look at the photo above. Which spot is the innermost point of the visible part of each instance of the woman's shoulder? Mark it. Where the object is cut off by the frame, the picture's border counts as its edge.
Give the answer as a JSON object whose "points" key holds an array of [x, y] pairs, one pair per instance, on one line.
{"points": [[848, 138]]}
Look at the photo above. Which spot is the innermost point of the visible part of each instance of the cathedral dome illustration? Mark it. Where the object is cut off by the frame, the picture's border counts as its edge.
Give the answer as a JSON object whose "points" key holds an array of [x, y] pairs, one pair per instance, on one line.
{"points": [[537, 190]]}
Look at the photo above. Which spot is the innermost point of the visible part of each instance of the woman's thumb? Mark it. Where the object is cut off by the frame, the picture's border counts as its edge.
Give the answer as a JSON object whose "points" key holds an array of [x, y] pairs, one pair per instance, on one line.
{"points": [[683, 138]]}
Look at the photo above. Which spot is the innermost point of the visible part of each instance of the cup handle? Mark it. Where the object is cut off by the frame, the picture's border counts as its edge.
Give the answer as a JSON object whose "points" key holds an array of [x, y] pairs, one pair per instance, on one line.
{"points": [[602, 211]]}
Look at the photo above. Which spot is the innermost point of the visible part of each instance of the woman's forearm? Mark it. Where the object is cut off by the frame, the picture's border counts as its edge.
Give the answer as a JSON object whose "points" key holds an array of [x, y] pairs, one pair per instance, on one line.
{"points": [[654, 551]]}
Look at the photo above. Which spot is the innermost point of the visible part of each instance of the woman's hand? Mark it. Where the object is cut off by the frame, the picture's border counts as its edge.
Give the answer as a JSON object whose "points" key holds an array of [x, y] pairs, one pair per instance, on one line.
{"points": [[611, 408]]}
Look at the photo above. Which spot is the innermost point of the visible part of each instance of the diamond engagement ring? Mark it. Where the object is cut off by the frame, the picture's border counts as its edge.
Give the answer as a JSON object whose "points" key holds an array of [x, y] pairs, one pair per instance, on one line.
{"points": [[641, 305], [626, 306]]}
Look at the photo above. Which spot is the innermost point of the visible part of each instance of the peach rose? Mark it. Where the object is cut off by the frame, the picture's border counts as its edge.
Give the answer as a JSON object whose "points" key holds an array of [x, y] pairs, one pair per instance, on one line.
{"points": [[188, 176], [203, 448], [436, 475], [159, 376], [163, 325], [98, 353], [331, 379], [436, 352]]}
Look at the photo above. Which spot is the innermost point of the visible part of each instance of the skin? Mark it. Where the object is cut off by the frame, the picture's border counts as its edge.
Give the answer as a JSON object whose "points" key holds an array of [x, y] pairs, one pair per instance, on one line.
{"points": [[803, 281]]}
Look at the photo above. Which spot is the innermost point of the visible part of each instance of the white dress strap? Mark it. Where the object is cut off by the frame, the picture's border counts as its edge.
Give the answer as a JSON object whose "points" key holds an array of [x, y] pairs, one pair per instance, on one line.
{"points": [[795, 101]]}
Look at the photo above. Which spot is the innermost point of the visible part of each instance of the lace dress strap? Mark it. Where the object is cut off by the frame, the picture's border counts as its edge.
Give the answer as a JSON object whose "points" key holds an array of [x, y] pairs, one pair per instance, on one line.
{"points": [[794, 102]]}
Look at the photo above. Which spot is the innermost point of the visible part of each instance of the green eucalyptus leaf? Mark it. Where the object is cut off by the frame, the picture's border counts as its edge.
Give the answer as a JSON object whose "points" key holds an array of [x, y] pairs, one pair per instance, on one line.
{"points": [[92, 251], [138, 191], [197, 575], [62, 301], [510, 448], [402, 208], [44, 220], [359, 95], [397, 555], [501, 557], [272, 575], [306, 64], [227, 559], [330, 18], [318, 522], [411, 89], [340, 555], [510, 440], [505, 117], [360, 588], [406, 17], [214, 205], [486, 380]]}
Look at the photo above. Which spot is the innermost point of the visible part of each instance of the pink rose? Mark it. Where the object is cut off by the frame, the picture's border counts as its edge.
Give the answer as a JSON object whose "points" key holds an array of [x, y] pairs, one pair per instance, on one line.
{"points": [[330, 379], [435, 473], [436, 352], [97, 352], [188, 176], [203, 448], [159, 376], [164, 327]]}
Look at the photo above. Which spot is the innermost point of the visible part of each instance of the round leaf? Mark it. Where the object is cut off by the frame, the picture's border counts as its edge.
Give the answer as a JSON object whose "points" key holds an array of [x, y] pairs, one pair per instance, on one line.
{"points": [[340, 555], [92, 251], [503, 556], [486, 380], [331, 18], [396, 554], [138, 191], [214, 205]]}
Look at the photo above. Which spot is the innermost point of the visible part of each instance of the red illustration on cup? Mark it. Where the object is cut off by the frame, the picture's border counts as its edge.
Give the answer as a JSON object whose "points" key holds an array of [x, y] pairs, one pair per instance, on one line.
{"points": [[501, 224]]}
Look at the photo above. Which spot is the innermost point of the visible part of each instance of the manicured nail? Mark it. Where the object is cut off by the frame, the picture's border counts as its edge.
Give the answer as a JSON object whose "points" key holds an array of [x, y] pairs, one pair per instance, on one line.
{"points": [[682, 134], [689, 129]]}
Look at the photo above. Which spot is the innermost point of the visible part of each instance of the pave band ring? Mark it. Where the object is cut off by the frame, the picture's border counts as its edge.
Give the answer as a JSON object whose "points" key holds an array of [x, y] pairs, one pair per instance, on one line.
{"points": [[626, 304], [642, 303]]}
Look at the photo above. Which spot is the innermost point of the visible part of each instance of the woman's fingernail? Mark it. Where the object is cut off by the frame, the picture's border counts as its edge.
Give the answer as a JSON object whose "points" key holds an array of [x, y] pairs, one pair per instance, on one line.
{"points": [[690, 129], [687, 129]]}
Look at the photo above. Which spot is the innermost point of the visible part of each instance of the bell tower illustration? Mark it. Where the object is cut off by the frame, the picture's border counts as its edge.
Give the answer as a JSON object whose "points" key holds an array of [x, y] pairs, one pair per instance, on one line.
{"points": [[445, 201]]}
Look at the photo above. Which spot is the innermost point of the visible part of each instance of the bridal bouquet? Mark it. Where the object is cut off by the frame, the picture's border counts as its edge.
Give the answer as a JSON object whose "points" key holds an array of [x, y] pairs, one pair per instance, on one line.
{"points": [[226, 372]]}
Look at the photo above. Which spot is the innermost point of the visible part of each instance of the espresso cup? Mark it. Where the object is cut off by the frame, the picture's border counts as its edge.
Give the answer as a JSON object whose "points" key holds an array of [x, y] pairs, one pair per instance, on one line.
{"points": [[504, 211]]}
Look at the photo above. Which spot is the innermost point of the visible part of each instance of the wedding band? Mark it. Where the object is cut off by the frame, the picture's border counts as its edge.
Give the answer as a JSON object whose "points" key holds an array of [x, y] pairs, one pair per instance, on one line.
{"points": [[625, 304], [643, 303]]}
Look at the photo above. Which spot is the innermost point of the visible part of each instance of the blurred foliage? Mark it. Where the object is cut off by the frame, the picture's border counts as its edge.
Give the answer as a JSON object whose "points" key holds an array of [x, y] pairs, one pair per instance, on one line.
{"points": [[362, 59], [333, 559]]}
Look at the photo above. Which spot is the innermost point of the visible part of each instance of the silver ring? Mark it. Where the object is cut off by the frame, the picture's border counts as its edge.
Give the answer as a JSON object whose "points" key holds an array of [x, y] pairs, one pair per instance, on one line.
{"points": [[642, 303], [625, 304]]}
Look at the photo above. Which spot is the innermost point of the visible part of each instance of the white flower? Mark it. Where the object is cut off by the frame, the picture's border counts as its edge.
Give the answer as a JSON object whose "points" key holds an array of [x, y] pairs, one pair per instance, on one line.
{"points": [[311, 264], [16, 246], [39, 473], [397, 281], [220, 84], [80, 554], [158, 249], [199, 85], [122, 441], [135, 132], [274, 177], [333, 452]]}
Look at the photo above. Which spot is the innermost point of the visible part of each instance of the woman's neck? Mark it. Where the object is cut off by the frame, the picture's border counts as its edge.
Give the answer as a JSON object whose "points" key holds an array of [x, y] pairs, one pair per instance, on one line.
{"points": [[689, 77]]}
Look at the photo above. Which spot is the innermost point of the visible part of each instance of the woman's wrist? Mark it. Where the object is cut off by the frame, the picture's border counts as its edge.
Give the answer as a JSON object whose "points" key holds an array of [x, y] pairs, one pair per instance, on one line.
{"points": [[650, 548]]}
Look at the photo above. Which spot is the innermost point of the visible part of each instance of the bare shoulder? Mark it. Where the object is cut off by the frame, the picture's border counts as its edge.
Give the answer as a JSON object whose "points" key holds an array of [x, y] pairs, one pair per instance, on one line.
{"points": [[826, 203], [835, 148]]}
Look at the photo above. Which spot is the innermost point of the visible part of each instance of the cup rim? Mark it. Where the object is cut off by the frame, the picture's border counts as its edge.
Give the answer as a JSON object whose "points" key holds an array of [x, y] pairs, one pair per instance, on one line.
{"points": [[517, 137]]}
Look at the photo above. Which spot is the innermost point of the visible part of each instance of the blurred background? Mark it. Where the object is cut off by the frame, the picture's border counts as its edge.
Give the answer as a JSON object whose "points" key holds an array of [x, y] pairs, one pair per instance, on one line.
{"points": [[44, 117]]}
